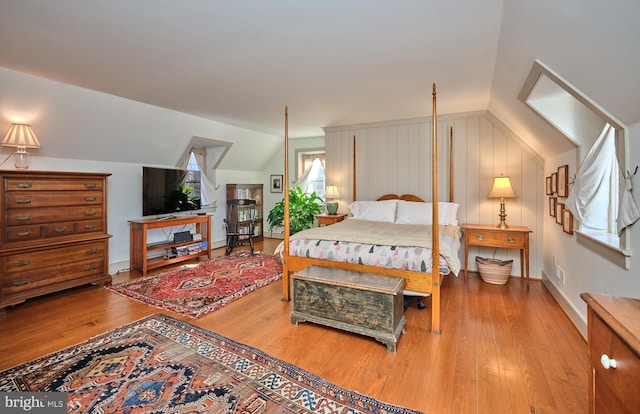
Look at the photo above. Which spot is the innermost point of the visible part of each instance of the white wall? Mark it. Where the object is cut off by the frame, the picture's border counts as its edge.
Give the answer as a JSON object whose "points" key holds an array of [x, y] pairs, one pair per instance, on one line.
{"points": [[275, 166], [586, 271], [118, 136]]}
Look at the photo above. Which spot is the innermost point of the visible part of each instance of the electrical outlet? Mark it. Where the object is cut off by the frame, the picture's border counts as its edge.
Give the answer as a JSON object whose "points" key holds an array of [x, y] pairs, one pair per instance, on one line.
{"points": [[560, 274], [555, 263]]}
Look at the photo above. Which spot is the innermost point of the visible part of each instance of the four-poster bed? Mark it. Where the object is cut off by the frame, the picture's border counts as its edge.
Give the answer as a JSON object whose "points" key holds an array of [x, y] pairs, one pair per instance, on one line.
{"points": [[419, 281]]}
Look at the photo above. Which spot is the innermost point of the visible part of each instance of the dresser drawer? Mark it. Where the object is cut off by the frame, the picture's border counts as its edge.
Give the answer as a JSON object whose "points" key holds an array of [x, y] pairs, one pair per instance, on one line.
{"points": [[44, 184], [26, 216], [24, 200], [495, 239], [27, 261], [32, 232], [38, 278], [617, 386]]}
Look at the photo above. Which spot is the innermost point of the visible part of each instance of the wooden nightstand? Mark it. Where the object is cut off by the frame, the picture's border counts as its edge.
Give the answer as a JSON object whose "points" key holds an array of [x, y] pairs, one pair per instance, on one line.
{"points": [[328, 219], [488, 235]]}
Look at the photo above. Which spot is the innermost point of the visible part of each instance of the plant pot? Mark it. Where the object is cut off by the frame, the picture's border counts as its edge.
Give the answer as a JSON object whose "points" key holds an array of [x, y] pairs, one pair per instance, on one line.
{"points": [[494, 271]]}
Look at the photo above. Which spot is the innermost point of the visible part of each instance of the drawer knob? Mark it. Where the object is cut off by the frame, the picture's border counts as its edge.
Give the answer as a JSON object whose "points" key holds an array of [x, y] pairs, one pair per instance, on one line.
{"points": [[90, 213], [511, 239], [23, 234], [60, 230], [24, 185], [23, 201], [90, 199], [89, 185], [21, 282], [23, 218], [607, 362], [480, 237]]}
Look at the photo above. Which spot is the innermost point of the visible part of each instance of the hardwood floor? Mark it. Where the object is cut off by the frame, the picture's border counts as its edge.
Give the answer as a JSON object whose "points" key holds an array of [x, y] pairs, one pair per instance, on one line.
{"points": [[503, 349]]}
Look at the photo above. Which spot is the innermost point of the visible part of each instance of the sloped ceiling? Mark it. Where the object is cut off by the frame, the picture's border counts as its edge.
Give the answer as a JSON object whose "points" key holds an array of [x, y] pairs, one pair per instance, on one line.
{"points": [[332, 62]]}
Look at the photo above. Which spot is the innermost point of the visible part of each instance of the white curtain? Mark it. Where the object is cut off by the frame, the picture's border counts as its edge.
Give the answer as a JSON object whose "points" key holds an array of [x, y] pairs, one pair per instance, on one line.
{"points": [[311, 173], [589, 195], [207, 188]]}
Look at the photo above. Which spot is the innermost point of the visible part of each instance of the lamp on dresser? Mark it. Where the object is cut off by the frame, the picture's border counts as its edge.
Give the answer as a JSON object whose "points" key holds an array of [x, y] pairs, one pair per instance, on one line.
{"points": [[331, 193], [502, 189], [20, 136]]}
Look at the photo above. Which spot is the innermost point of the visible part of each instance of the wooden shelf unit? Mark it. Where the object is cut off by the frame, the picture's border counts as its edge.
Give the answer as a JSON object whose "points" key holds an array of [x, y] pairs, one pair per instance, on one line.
{"points": [[140, 248], [251, 192]]}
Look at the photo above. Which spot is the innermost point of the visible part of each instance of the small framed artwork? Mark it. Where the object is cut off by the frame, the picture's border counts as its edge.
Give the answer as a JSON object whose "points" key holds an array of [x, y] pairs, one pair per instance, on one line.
{"points": [[552, 206], [563, 181], [548, 186], [554, 183], [276, 183], [559, 212], [567, 221]]}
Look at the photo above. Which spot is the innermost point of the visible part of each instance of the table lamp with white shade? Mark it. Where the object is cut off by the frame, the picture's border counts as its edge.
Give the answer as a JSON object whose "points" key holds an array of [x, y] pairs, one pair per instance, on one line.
{"points": [[331, 193], [502, 189]]}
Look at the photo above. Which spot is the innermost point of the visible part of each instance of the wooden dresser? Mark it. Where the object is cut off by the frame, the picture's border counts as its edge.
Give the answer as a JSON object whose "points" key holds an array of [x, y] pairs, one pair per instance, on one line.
{"points": [[614, 353], [54, 233]]}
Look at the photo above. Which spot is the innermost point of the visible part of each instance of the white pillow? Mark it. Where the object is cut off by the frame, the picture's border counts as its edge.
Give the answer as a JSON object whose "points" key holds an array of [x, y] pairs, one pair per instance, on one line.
{"points": [[374, 210], [412, 212]]}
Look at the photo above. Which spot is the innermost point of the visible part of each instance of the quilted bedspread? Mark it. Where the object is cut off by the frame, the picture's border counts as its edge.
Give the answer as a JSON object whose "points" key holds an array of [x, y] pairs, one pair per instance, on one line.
{"points": [[403, 246]]}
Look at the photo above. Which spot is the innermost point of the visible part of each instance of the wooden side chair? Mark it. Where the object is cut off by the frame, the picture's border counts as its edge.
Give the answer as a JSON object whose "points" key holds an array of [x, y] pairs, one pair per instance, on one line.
{"points": [[240, 223]]}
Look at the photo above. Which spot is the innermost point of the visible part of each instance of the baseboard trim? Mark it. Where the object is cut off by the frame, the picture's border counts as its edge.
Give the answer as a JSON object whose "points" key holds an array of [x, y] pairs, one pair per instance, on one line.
{"points": [[566, 306]]}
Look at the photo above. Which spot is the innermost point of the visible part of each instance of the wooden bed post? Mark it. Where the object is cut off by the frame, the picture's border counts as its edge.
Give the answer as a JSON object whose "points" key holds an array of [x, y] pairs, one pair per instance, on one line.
{"points": [[451, 182], [353, 196], [435, 236], [286, 294]]}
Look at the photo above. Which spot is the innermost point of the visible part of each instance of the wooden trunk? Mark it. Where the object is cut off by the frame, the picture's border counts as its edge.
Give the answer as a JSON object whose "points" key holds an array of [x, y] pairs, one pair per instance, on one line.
{"points": [[365, 303]]}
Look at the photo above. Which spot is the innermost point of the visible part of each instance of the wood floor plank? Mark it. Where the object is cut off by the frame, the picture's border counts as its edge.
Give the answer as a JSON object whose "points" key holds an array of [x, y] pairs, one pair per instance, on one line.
{"points": [[493, 355]]}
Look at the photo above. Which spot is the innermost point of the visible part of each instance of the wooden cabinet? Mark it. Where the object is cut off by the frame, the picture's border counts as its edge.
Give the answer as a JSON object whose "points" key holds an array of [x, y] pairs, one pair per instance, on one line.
{"points": [[488, 235], [614, 353], [145, 256], [54, 233], [244, 214]]}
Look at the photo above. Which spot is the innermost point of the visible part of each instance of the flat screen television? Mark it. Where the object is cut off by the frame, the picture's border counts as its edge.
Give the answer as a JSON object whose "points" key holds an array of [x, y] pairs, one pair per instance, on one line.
{"points": [[167, 191]]}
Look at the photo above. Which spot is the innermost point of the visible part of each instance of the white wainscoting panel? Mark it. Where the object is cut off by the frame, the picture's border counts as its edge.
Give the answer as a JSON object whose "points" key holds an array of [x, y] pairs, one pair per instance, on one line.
{"points": [[395, 157]]}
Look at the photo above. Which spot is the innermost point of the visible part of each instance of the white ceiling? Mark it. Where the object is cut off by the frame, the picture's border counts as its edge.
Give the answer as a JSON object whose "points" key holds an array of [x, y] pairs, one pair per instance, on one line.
{"points": [[333, 62]]}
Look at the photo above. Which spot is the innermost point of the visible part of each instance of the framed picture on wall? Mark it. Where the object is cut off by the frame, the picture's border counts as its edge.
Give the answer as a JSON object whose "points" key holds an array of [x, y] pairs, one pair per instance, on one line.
{"points": [[276, 183], [552, 206], [548, 186], [554, 183], [567, 221], [563, 181], [559, 212]]}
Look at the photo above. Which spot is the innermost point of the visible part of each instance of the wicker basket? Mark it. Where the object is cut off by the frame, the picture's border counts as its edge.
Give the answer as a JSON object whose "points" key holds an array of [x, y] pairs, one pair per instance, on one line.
{"points": [[494, 271]]}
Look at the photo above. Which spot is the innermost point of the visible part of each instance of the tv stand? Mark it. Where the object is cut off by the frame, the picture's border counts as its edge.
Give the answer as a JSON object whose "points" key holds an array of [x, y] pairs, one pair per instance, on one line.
{"points": [[140, 248]]}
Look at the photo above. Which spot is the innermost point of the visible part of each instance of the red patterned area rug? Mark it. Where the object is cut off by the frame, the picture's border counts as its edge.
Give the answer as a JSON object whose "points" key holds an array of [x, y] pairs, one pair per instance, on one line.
{"points": [[199, 290], [162, 365]]}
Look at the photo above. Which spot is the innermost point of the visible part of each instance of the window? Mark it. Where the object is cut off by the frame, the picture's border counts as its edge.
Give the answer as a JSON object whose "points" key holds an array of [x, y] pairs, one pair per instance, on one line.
{"points": [[194, 180], [311, 171], [601, 144]]}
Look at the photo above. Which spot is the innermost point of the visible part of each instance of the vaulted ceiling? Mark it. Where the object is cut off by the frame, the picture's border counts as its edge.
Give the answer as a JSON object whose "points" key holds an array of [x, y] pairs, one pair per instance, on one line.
{"points": [[333, 62]]}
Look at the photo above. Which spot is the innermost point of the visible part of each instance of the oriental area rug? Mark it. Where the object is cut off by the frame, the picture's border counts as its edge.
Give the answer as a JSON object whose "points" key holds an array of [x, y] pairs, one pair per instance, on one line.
{"points": [[201, 289], [162, 365]]}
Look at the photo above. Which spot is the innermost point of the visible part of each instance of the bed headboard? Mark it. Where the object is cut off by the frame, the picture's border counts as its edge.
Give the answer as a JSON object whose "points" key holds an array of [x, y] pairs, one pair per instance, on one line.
{"points": [[405, 197]]}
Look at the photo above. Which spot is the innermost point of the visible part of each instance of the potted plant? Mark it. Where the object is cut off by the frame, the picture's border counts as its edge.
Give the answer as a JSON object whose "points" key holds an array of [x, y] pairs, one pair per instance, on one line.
{"points": [[302, 208]]}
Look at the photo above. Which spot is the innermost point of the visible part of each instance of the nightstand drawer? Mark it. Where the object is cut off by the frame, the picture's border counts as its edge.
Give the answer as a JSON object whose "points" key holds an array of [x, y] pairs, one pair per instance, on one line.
{"points": [[495, 239]]}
